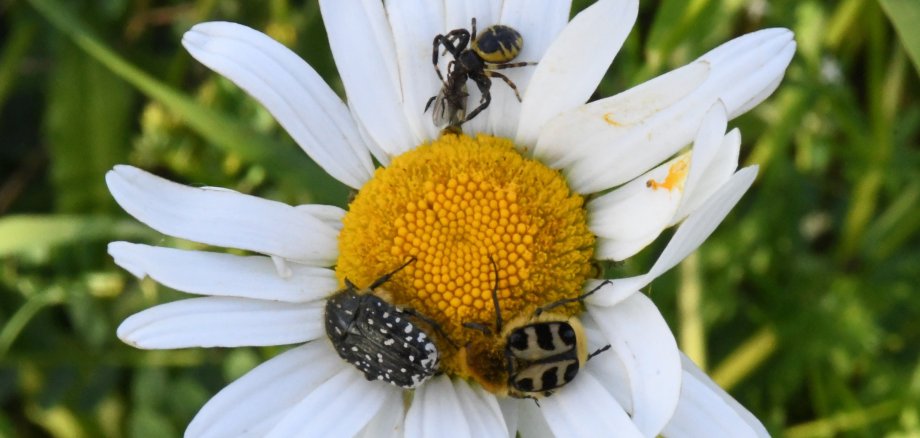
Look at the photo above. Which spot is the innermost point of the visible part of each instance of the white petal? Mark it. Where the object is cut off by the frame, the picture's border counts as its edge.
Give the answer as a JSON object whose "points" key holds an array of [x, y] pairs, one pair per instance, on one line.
{"points": [[329, 214], [248, 405], [640, 337], [458, 15], [388, 423], [291, 90], [445, 409], [532, 424], [223, 217], [615, 129], [567, 73], [584, 409], [228, 275], [639, 133], [707, 410], [608, 295], [340, 406], [720, 169], [752, 64], [706, 145], [376, 150], [414, 24], [511, 412], [597, 120], [481, 410], [691, 234], [364, 52], [632, 216], [222, 322], [606, 367], [538, 31]]}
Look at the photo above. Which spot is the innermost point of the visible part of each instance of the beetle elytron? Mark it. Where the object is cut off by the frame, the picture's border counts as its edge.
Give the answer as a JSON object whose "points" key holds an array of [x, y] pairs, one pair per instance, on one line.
{"points": [[385, 342], [542, 351]]}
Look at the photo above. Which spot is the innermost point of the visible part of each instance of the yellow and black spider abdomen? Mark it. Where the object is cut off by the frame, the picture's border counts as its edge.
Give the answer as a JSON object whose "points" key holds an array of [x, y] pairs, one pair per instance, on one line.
{"points": [[498, 44]]}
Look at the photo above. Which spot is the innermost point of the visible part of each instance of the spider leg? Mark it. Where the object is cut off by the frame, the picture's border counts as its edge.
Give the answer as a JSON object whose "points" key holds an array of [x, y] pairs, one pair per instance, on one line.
{"points": [[454, 42], [496, 74], [510, 65], [484, 83]]}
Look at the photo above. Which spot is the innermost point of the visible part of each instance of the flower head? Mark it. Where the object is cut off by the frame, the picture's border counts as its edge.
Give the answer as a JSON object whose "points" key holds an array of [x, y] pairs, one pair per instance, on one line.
{"points": [[484, 238]]}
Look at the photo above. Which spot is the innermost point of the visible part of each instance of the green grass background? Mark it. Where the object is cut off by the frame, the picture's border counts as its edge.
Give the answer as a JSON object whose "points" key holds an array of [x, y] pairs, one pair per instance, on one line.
{"points": [[803, 304]]}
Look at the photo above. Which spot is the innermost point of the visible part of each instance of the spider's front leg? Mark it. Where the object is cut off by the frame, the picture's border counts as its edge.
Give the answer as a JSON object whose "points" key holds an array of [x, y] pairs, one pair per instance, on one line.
{"points": [[454, 42], [484, 83]]}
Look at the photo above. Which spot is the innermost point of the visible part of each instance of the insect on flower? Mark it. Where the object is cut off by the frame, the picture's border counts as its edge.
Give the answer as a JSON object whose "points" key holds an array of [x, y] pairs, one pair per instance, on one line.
{"points": [[379, 338], [476, 57], [542, 351]]}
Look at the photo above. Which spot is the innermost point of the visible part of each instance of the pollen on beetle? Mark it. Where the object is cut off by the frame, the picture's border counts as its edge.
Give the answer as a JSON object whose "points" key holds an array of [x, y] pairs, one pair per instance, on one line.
{"points": [[456, 205]]}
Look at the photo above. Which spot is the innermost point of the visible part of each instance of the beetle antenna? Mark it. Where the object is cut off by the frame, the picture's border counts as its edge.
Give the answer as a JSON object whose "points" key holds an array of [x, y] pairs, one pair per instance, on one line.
{"points": [[386, 277], [565, 301], [478, 326]]}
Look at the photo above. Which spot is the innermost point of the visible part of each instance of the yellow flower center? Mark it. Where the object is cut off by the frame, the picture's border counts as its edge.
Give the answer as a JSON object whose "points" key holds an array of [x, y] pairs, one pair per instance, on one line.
{"points": [[463, 207]]}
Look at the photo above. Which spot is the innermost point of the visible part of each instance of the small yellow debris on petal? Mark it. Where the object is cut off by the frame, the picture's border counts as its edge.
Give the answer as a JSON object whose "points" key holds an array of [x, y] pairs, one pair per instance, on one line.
{"points": [[608, 117], [677, 174]]}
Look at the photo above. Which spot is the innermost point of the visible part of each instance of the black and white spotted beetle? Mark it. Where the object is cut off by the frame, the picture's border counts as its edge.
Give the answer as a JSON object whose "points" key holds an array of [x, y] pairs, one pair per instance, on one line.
{"points": [[385, 342], [542, 351]]}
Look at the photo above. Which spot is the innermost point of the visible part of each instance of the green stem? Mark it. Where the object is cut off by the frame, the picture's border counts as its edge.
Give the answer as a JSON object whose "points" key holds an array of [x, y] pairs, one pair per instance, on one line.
{"points": [[692, 330], [746, 358]]}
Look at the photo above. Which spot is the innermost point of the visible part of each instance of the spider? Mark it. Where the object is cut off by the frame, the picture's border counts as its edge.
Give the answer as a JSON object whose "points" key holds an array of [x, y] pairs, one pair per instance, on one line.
{"points": [[476, 57]]}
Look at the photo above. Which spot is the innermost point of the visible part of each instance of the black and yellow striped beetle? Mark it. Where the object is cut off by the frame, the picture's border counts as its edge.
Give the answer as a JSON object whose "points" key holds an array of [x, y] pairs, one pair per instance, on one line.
{"points": [[542, 351], [476, 57], [382, 340]]}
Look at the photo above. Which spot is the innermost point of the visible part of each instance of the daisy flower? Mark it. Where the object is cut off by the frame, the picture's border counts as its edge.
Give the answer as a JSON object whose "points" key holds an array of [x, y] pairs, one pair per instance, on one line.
{"points": [[532, 193]]}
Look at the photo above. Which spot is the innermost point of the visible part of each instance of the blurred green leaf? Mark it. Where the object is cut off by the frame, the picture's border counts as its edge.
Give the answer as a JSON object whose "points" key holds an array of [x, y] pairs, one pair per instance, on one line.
{"points": [[14, 50], [36, 232], [290, 165], [905, 16], [88, 124]]}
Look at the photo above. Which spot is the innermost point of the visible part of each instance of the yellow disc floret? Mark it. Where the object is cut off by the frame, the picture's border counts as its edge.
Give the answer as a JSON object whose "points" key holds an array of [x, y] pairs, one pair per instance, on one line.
{"points": [[457, 205]]}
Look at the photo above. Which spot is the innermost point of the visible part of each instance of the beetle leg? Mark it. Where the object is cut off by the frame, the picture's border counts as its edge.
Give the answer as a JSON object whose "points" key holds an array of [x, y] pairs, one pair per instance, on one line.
{"points": [[565, 301], [599, 351], [432, 323]]}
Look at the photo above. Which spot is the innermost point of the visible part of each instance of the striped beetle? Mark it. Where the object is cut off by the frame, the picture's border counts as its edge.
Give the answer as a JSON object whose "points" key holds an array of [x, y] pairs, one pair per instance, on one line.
{"points": [[542, 351]]}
